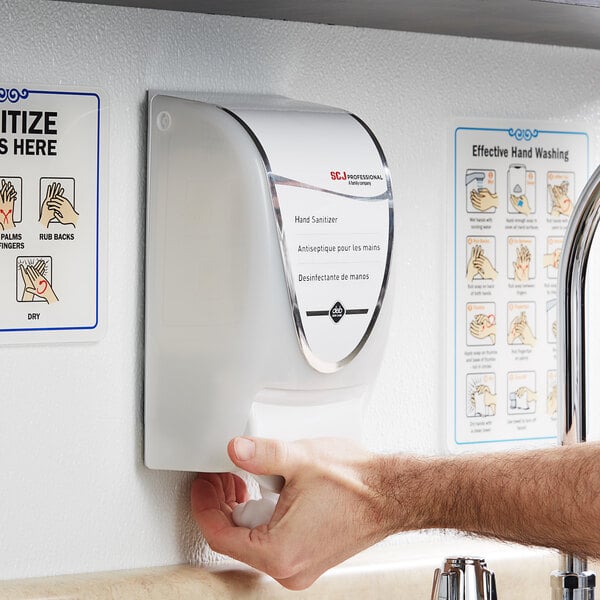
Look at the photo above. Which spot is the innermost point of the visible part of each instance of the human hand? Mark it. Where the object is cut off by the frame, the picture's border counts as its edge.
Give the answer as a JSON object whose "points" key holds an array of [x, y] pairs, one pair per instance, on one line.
{"points": [[328, 509], [8, 197], [483, 326], [521, 266], [561, 203], [520, 204], [483, 199]]}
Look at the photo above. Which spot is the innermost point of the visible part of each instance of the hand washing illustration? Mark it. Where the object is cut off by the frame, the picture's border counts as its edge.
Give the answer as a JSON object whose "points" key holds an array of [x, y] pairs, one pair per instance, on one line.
{"points": [[479, 266], [8, 203], [34, 284], [522, 263], [58, 205], [552, 258], [481, 402], [481, 190], [552, 394], [514, 189], [484, 200], [552, 320], [523, 400], [561, 203], [520, 331], [482, 328], [520, 204], [519, 200]]}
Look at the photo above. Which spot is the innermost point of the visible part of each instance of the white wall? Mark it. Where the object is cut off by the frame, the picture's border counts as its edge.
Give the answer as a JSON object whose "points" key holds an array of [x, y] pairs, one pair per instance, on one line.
{"points": [[74, 494]]}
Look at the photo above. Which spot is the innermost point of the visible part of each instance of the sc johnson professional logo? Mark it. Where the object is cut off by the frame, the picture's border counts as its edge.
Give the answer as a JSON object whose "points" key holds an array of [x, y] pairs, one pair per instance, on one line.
{"points": [[355, 178]]}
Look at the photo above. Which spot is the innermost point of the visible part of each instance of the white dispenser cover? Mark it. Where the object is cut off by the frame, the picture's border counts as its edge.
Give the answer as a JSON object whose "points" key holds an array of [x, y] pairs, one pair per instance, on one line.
{"points": [[269, 239]]}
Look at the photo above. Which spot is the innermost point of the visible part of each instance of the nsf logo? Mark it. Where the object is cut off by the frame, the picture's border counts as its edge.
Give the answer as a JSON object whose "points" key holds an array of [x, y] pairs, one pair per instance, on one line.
{"points": [[336, 312]]}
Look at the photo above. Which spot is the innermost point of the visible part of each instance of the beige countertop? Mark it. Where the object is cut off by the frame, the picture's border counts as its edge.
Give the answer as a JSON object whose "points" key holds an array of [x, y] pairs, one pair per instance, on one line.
{"points": [[402, 572]]}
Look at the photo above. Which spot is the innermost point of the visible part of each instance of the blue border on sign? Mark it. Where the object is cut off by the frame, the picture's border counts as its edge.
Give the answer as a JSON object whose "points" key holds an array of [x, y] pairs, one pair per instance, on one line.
{"points": [[13, 95], [518, 134]]}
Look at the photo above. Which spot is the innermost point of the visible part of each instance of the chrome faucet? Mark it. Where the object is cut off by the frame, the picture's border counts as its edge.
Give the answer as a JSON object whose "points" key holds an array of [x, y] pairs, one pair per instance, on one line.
{"points": [[464, 579], [573, 581]]}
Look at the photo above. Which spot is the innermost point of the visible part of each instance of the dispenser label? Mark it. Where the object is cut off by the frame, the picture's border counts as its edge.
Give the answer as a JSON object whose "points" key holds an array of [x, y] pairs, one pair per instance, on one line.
{"points": [[515, 186], [51, 145], [332, 199]]}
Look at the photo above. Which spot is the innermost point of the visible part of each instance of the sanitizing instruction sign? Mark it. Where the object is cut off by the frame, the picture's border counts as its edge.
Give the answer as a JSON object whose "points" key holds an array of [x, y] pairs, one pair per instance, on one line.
{"points": [[515, 186], [51, 158]]}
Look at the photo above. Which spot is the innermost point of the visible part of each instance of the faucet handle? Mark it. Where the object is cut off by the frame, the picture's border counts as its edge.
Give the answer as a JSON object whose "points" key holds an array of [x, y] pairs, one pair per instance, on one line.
{"points": [[464, 579]]}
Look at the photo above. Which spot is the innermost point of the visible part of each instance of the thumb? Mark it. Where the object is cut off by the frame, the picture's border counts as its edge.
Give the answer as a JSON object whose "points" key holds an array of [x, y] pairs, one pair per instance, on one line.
{"points": [[261, 456]]}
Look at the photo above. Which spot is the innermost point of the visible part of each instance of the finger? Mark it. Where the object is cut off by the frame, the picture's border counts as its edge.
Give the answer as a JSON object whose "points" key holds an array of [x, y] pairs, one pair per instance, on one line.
{"points": [[220, 533], [241, 491], [235, 490], [265, 457], [215, 479]]}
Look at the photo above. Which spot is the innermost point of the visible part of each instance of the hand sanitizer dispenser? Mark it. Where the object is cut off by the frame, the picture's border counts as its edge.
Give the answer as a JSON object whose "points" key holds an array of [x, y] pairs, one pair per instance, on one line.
{"points": [[268, 247]]}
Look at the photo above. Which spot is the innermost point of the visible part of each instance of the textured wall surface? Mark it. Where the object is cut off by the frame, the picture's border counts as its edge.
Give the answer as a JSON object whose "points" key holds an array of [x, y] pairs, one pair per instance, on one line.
{"points": [[74, 494]]}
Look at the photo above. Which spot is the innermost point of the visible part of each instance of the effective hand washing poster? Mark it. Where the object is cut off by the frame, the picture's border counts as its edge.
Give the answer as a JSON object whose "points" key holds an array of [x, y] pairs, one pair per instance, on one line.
{"points": [[515, 186], [51, 144]]}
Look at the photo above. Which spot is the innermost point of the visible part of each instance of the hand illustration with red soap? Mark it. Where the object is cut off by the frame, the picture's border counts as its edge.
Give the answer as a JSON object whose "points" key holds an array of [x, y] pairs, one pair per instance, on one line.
{"points": [[36, 283], [562, 205], [521, 265], [552, 258], [8, 197], [483, 326], [57, 206], [520, 330]]}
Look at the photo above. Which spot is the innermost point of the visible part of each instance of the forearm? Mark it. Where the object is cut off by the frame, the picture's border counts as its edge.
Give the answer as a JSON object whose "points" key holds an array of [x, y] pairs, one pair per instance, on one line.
{"points": [[548, 497]]}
